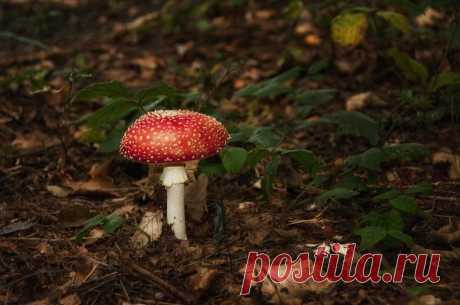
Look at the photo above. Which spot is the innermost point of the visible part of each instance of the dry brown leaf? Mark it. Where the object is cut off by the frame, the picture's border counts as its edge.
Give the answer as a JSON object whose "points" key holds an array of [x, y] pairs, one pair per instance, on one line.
{"points": [[428, 18], [196, 197], [74, 215], [126, 209], [446, 156], [428, 299], [247, 206], [150, 229], [203, 279], [304, 28], [58, 191], [44, 248], [147, 62], [359, 101], [101, 169], [39, 302], [71, 299], [239, 83], [312, 40], [183, 48], [449, 233], [34, 140], [264, 14], [259, 227], [7, 246], [98, 185]]}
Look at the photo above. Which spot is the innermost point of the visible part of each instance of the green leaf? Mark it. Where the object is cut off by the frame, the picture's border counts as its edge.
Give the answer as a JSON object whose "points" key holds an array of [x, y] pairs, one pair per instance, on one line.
{"points": [[112, 89], [305, 159], [411, 69], [91, 223], [444, 79], [405, 152], [271, 87], [308, 100], [348, 29], [152, 94], [271, 170], [288, 75], [210, 167], [25, 40], [390, 220], [356, 124], [112, 222], [370, 160], [423, 188], [241, 134], [338, 193], [388, 195], [352, 182], [255, 156], [401, 236], [370, 236], [405, 204], [397, 20], [109, 114], [112, 141], [265, 137], [233, 158], [271, 90], [318, 66]]}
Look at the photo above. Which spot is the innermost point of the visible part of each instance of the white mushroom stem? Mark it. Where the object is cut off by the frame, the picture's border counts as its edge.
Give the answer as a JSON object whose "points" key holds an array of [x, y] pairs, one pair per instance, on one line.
{"points": [[173, 178]]}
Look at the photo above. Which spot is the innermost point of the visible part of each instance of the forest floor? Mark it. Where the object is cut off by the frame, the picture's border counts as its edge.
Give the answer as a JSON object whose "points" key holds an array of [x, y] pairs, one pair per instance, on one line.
{"points": [[51, 183]]}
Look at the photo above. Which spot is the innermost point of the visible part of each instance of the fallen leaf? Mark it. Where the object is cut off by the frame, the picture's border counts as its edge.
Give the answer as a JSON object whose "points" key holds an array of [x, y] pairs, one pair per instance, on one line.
{"points": [[74, 215], [101, 169], [58, 191], [449, 233], [203, 279], [264, 14], [150, 229], [97, 185], [247, 206], [259, 227], [304, 28], [6, 246], [34, 140], [39, 302], [446, 156], [359, 101], [16, 227], [184, 48], [147, 62], [94, 235], [312, 40], [428, 299], [44, 248], [71, 299], [126, 209], [428, 17]]}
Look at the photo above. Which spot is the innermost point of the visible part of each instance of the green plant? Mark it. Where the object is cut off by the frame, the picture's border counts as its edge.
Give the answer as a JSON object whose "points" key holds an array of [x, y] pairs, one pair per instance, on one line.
{"points": [[109, 223], [121, 106]]}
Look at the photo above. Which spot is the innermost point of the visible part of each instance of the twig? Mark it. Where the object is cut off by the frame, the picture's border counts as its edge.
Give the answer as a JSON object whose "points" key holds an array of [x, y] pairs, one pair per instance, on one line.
{"points": [[188, 299]]}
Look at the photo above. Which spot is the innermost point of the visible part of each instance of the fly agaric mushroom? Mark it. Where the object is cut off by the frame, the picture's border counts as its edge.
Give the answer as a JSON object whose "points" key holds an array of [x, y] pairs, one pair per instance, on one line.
{"points": [[171, 138]]}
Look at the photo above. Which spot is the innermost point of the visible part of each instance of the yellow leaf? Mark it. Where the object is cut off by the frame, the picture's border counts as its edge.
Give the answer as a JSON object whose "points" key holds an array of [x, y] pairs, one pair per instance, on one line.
{"points": [[397, 20], [348, 29]]}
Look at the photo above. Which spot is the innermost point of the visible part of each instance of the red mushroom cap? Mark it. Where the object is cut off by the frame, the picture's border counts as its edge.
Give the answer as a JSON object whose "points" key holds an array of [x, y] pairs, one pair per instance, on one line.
{"points": [[169, 136]]}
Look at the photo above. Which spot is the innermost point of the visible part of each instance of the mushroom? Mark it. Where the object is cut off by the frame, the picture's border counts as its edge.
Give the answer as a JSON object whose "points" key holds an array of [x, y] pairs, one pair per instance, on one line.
{"points": [[171, 138]]}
